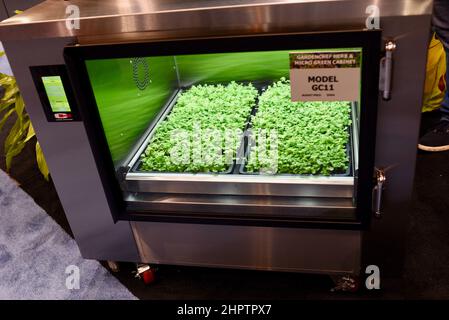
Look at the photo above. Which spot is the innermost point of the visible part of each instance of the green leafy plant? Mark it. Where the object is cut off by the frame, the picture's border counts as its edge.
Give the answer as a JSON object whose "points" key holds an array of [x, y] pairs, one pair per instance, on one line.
{"points": [[22, 131], [311, 136], [216, 109]]}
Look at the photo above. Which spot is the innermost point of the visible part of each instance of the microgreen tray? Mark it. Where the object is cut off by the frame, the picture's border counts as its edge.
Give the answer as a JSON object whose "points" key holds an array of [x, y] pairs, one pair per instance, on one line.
{"points": [[248, 143], [232, 167], [245, 150]]}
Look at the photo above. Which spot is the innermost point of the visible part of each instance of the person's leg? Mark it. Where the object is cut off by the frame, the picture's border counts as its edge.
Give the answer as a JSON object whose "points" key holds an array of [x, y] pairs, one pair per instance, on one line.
{"points": [[440, 23], [437, 139], [445, 105]]}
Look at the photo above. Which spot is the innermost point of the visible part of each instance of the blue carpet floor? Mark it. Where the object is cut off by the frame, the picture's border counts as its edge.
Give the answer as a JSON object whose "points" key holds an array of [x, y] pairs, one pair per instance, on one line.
{"points": [[35, 254]]}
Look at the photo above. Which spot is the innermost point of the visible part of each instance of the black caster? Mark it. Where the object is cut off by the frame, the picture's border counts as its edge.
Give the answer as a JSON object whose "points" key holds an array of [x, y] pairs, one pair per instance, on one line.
{"points": [[347, 283]]}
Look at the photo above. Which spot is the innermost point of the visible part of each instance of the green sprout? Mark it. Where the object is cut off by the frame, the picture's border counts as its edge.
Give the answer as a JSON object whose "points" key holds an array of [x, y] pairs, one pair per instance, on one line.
{"points": [[202, 115], [312, 136]]}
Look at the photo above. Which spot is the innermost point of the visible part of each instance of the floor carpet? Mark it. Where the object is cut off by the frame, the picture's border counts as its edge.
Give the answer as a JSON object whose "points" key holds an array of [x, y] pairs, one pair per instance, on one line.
{"points": [[38, 260]]}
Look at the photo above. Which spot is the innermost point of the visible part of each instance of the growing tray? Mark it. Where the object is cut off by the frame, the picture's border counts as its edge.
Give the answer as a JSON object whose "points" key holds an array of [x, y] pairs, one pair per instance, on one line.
{"points": [[233, 168], [245, 151]]}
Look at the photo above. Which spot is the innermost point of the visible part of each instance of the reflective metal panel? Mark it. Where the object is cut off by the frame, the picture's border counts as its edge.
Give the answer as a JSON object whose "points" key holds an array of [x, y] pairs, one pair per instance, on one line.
{"points": [[125, 20], [71, 162], [249, 206], [282, 249], [241, 185]]}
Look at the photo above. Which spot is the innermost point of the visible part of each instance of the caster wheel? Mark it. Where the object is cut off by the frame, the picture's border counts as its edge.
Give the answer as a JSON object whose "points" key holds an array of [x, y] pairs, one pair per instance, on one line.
{"points": [[113, 266], [148, 276], [346, 284], [146, 273]]}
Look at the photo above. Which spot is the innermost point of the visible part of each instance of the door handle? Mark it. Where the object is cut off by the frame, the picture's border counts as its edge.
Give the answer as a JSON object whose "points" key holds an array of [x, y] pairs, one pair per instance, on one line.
{"points": [[386, 70], [381, 178]]}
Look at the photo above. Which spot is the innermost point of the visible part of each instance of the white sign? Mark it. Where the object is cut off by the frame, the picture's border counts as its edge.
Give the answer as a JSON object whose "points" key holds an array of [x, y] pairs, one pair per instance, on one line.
{"points": [[325, 76]]}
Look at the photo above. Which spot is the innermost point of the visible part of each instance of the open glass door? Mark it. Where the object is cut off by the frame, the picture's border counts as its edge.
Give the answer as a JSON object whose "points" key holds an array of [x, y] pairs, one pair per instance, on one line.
{"points": [[248, 130]]}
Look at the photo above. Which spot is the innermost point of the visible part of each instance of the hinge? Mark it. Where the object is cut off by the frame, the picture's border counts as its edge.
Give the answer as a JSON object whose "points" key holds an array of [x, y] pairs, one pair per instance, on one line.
{"points": [[386, 70], [380, 179]]}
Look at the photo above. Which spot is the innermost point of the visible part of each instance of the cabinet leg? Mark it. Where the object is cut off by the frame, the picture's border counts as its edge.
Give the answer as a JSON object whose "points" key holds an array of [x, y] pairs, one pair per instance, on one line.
{"points": [[345, 283], [146, 273]]}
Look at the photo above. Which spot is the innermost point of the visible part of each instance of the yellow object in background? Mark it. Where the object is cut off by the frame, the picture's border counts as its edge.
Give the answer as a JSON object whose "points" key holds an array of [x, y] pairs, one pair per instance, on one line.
{"points": [[435, 85]]}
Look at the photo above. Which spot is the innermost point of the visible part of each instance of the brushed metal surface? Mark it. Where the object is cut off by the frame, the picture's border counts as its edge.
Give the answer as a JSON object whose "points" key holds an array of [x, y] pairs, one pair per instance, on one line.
{"points": [[71, 162], [342, 187], [282, 249], [126, 20], [235, 206]]}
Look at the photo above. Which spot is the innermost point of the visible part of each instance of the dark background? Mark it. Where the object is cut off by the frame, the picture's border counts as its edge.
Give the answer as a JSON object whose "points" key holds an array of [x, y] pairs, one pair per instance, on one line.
{"points": [[7, 7]]}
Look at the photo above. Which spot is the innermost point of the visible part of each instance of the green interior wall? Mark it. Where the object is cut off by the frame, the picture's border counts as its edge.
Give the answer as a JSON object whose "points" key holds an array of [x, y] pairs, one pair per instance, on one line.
{"points": [[242, 66], [125, 110]]}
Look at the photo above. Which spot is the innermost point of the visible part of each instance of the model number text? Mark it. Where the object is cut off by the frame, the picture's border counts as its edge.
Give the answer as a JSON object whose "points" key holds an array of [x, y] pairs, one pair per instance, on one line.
{"points": [[247, 309], [322, 83]]}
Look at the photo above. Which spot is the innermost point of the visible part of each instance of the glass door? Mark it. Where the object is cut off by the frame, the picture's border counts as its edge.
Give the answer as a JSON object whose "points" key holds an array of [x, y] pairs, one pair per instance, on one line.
{"points": [[258, 130]]}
